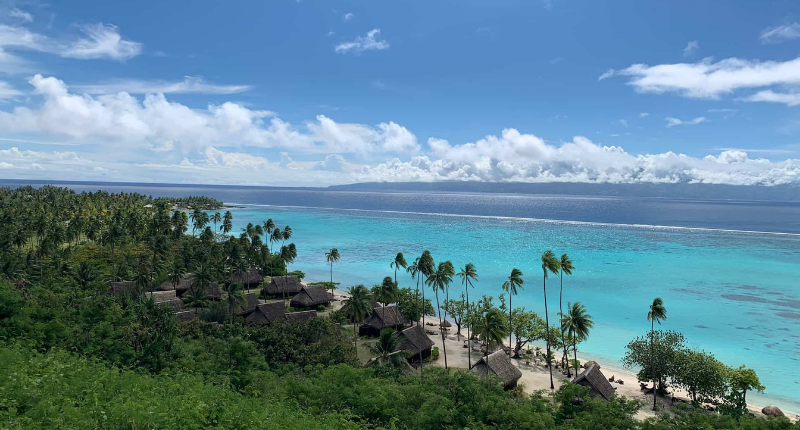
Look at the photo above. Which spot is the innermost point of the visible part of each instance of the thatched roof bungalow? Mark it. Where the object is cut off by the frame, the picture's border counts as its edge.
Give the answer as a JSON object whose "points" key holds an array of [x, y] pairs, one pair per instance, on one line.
{"points": [[187, 315], [381, 318], [311, 297], [300, 316], [499, 364], [416, 343], [267, 314], [214, 292], [123, 287], [251, 278], [282, 286], [597, 383], [161, 296], [183, 285], [248, 306]]}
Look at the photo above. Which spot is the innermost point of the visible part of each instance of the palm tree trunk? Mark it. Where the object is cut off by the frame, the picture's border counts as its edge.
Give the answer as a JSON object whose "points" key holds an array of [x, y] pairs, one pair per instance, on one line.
{"points": [[547, 333], [655, 384], [510, 330], [575, 353], [423, 301], [469, 338], [441, 327], [561, 320]]}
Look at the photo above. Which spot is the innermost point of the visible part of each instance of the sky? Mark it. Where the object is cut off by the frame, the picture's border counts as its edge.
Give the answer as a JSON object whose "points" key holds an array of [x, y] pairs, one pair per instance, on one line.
{"points": [[321, 92]]}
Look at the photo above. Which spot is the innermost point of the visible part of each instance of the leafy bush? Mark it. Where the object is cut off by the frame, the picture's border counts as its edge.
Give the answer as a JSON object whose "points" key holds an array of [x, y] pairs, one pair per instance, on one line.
{"points": [[434, 354]]}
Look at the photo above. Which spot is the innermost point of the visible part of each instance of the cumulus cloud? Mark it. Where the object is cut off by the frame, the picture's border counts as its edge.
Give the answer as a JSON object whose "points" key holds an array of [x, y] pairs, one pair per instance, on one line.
{"points": [[348, 16], [517, 157], [690, 48], [781, 33], [157, 122], [189, 85], [102, 41], [332, 163], [607, 74], [707, 79], [236, 160], [643, 115], [7, 91], [672, 122], [286, 161], [369, 42], [789, 99], [21, 15]]}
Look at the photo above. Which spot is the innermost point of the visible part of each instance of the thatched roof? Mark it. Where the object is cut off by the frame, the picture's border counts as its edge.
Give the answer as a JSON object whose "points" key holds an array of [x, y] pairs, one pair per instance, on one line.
{"points": [[177, 304], [300, 316], [375, 304], [214, 292], [186, 315], [313, 295], [279, 285], [161, 296], [249, 305], [123, 287], [388, 316], [593, 378], [589, 363], [772, 411], [267, 314], [499, 364], [248, 278], [415, 340], [181, 286]]}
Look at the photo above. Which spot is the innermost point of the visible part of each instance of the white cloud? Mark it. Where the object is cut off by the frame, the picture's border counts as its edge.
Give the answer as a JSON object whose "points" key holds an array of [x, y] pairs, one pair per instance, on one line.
{"points": [[516, 157], [159, 124], [690, 48], [363, 43], [672, 122], [21, 15], [780, 33], [623, 122], [189, 84], [707, 79], [643, 115], [608, 73], [332, 163], [7, 91], [286, 161], [102, 41], [789, 99], [236, 160], [348, 16]]}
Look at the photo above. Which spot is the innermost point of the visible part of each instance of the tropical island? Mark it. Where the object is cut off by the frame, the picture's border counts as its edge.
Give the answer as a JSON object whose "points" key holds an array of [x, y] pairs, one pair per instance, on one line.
{"points": [[125, 311]]}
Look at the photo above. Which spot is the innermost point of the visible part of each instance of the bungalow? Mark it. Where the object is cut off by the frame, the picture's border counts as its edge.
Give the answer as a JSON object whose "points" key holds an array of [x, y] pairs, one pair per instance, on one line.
{"points": [[266, 314], [186, 315], [416, 343], [300, 316], [282, 286], [248, 306], [123, 287], [181, 287], [250, 279], [499, 364], [597, 383], [381, 318], [166, 298], [312, 297]]}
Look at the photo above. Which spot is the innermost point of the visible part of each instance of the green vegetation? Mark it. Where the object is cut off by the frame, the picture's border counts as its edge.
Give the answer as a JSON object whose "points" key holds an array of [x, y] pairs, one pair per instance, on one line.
{"points": [[74, 356]]}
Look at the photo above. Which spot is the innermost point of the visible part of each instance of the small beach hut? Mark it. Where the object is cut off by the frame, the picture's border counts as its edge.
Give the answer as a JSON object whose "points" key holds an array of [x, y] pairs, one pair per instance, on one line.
{"points": [[311, 297], [499, 364], [214, 292], [597, 383], [267, 314], [250, 279], [123, 287], [182, 286], [300, 316], [167, 298], [282, 285], [186, 315], [416, 343], [248, 306], [382, 318]]}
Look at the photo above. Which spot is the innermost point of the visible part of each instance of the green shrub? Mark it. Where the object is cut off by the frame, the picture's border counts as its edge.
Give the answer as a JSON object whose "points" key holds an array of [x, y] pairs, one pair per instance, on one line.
{"points": [[321, 308], [434, 354]]}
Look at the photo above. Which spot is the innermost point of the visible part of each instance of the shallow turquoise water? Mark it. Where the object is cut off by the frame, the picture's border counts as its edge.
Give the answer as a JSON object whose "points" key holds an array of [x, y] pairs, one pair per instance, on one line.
{"points": [[733, 294]]}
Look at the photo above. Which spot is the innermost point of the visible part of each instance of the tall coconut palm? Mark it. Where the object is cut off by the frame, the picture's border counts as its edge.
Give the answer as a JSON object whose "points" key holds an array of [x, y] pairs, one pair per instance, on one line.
{"points": [[234, 295], [387, 291], [413, 270], [388, 351], [331, 257], [549, 264], [399, 261], [566, 268], [656, 314], [426, 267], [510, 286], [468, 274], [356, 307], [215, 219], [577, 323], [489, 327], [286, 234], [440, 280], [269, 225], [227, 222]]}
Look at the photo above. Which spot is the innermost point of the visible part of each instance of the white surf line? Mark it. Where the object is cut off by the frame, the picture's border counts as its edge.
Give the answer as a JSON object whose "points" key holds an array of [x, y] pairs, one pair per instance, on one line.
{"points": [[543, 220]]}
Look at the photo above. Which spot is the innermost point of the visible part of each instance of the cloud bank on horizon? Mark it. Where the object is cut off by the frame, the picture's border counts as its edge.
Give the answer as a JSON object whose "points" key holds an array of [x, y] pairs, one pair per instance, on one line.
{"points": [[193, 130]]}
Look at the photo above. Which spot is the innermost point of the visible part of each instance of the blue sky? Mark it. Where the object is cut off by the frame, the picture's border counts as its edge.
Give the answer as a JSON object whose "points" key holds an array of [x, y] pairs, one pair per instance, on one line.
{"points": [[311, 92]]}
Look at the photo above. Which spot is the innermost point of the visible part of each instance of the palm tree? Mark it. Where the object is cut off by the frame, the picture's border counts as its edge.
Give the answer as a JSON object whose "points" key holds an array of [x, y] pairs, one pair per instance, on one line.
{"points": [[202, 278], [85, 274], [387, 291], [388, 351], [413, 269], [215, 219], [357, 307], [176, 273], [566, 268], [227, 222], [656, 314], [399, 261], [468, 274], [234, 296], [510, 286], [440, 280], [286, 234], [489, 328], [577, 323], [269, 225], [331, 256], [426, 267], [552, 264]]}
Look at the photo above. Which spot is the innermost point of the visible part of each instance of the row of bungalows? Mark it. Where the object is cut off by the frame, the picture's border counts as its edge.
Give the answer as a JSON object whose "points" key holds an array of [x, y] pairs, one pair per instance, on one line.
{"points": [[268, 313]]}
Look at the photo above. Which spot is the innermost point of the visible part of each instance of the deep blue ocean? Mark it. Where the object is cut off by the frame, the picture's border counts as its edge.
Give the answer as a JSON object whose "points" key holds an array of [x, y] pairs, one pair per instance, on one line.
{"points": [[728, 271]]}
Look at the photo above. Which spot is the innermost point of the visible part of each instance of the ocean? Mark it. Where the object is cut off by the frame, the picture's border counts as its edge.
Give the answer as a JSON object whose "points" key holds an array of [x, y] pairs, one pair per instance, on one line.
{"points": [[728, 271]]}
